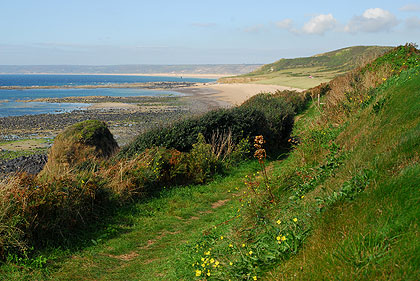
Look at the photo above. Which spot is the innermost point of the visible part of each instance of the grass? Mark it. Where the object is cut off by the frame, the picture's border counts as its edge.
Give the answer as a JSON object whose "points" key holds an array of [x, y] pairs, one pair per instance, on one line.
{"points": [[23, 147], [145, 239], [376, 236], [296, 78], [322, 67], [287, 78]]}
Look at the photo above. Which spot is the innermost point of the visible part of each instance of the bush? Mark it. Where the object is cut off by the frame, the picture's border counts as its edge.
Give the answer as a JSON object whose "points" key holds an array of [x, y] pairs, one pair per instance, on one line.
{"points": [[202, 162], [241, 122], [11, 237], [79, 146], [266, 114], [279, 115], [299, 100], [39, 212]]}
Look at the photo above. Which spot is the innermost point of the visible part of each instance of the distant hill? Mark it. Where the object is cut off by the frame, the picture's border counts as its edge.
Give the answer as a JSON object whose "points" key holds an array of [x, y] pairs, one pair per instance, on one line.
{"points": [[308, 72], [222, 69]]}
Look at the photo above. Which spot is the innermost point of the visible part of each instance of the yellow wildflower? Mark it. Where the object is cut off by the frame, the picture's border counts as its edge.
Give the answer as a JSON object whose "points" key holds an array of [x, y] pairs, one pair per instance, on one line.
{"points": [[243, 245], [255, 277], [230, 245], [207, 253], [230, 263], [221, 237], [250, 252], [295, 219], [212, 260], [198, 272], [278, 238], [283, 238], [278, 221]]}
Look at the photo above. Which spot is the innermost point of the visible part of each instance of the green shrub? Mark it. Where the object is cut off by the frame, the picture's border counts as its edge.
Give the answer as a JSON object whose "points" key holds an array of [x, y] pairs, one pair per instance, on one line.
{"points": [[265, 114], [240, 121], [78, 147], [279, 115], [11, 236], [299, 100], [202, 162], [91, 133]]}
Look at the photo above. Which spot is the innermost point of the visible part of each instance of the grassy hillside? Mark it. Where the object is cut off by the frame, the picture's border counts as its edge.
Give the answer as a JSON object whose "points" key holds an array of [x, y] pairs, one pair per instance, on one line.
{"points": [[342, 204], [321, 67]]}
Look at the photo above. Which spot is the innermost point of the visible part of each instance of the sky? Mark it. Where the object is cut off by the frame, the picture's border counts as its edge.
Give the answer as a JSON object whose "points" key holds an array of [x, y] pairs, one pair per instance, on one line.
{"points": [[115, 32]]}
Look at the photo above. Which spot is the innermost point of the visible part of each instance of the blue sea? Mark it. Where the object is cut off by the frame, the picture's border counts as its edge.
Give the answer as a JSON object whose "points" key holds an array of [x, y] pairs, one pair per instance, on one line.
{"points": [[9, 99]]}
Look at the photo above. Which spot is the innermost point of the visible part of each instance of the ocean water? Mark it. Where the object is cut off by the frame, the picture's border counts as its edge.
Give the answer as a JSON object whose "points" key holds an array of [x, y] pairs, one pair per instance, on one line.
{"points": [[10, 104], [33, 108], [29, 80]]}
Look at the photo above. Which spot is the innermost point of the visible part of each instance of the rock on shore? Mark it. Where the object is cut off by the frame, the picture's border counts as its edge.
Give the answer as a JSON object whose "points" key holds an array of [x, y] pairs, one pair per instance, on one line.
{"points": [[32, 164]]}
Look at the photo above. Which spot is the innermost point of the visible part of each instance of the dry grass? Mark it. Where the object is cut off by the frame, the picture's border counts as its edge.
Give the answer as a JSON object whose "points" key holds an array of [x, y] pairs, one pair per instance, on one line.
{"points": [[222, 144], [121, 179], [11, 237], [64, 156]]}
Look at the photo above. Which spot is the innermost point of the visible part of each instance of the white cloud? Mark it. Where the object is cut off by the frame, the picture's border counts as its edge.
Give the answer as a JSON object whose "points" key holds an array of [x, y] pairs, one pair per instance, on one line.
{"points": [[413, 23], [255, 28], [319, 24], [410, 8], [284, 24], [372, 20]]}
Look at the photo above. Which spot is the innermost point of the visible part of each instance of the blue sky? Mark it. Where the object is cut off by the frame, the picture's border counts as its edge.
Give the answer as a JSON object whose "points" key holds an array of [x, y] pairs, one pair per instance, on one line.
{"points": [[104, 32]]}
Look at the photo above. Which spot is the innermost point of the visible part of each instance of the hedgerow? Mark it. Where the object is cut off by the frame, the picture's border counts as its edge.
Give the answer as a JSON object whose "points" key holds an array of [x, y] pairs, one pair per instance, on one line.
{"points": [[264, 114]]}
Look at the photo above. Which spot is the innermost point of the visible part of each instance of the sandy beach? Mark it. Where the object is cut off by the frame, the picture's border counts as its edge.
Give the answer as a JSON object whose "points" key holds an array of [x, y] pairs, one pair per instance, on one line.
{"points": [[236, 94]]}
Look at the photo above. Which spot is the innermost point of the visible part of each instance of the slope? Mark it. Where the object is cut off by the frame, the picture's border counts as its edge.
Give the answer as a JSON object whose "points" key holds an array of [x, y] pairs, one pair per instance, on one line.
{"points": [[320, 68]]}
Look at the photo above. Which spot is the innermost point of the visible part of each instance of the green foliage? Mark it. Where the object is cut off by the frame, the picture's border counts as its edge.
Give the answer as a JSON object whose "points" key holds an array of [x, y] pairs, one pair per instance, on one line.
{"points": [[202, 163], [363, 251], [279, 115], [182, 135], [349, 190], [92, 133], [398, 59], [264, 114], [219, 256], [37, 262], [343, 59]]}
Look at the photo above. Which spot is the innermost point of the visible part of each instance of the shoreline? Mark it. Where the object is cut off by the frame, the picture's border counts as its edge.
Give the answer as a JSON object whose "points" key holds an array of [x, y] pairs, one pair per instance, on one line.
{"points": [[145, 85], [231, 93], [183, 75], [129, 116]]}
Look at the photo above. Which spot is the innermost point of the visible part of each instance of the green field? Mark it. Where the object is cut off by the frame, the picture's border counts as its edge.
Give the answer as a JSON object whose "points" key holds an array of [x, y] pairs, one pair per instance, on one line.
{"points": [[322, 68], [23, 147]]}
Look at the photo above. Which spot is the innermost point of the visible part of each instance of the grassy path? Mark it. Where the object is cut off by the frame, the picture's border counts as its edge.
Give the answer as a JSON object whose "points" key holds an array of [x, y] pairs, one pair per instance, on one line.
{"points": [[148, 243]]}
